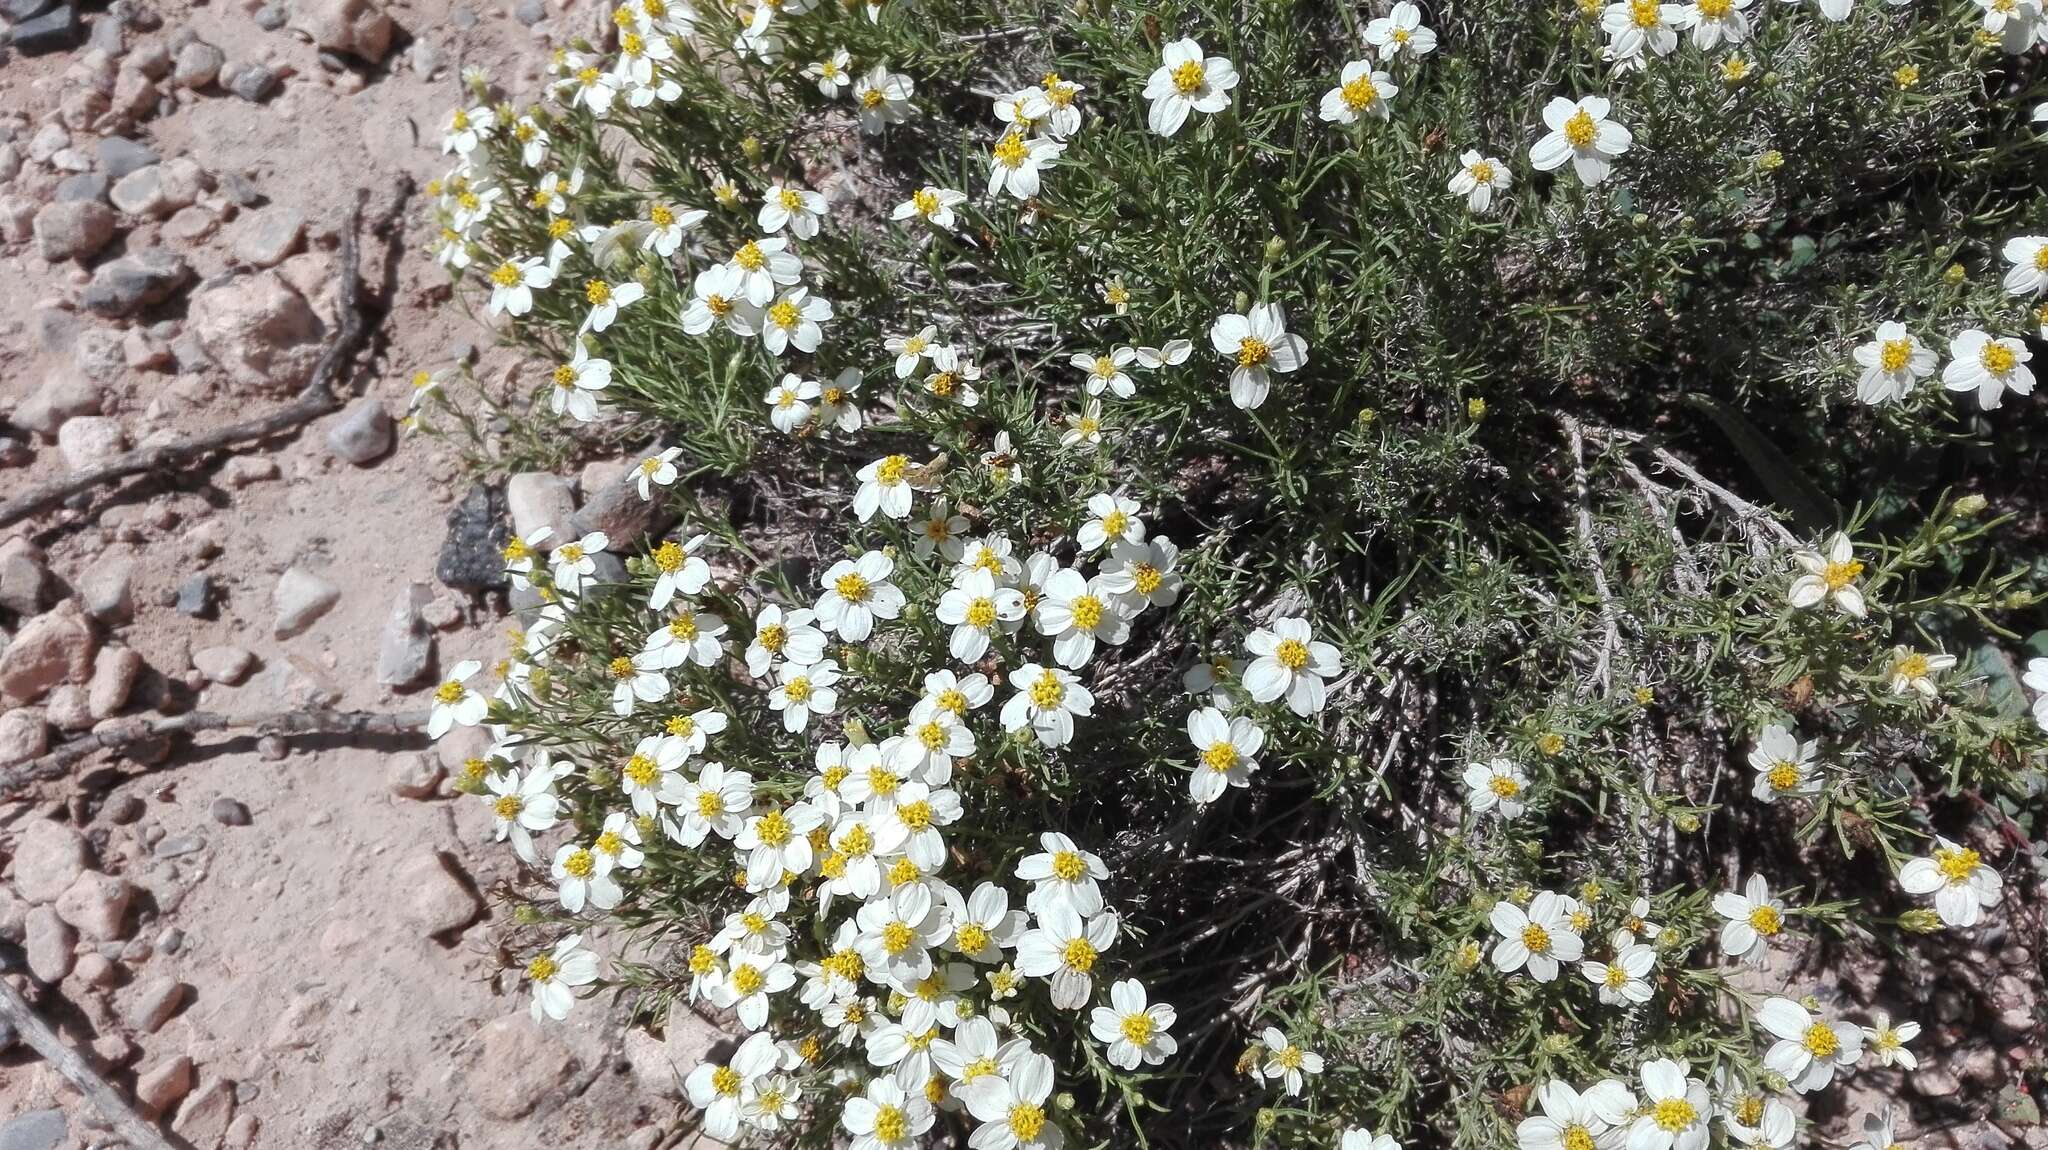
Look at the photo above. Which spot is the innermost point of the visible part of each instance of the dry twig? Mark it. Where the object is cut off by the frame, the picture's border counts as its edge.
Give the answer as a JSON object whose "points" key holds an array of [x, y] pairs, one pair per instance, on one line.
{"points": [[354, 724], [131, 1126], [318, 398]]}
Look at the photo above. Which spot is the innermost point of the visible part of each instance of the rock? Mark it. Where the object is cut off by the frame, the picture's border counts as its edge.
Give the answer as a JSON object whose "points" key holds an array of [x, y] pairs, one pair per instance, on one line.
{"points": [[57, 30], [74, 230], [35, 1130], [230, 812], [226, 665], [266, 238], [48, 945], [362, 433], [442, 899], [17, 219], [143, 279], [15, 11], [83, 186], [124, 809], [357, 27], [10, 162], [198, 65], [25, 583], [471, 556], [300, 598], [161, 1086], [114, 671], [96, 904], [519, 1063], [177, 846], [659, 1065], [249, 470], [66, 393], [537, 500], [617, 510], [413, 775], [54, 647], [1934, 1079], [67, 709], [261, 331], [151, 1004], [95, 969], [270, 17], [48, 858], [204, 1117], [24, 735], [195, 597], [530, 12], [90, 440], [241, 1132], [119, 156], [161, 189], [406, 648], [252, 82]]}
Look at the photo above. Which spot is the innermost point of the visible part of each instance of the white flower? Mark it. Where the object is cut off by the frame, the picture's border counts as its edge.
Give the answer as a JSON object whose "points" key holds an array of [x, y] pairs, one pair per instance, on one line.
{"points": [[1173, 354], [1675, 1111], [794, 319], [749, 979], [1285, 1062], [952, 376], [983, 924], [1887, 1043], [934, 205], [772, 1104], [718, 296], [1572, 1120], [455, 704], [803, 690], [764, 265], [1754, 917], [657, 470], [1956, 876], [1539, 938], [1784, 766], [1989, 366], [1497, 784], [583, 876], [1477, 178], [1580, 132], [1064, 118], [777, 839], [1047, 700], [1362, 90], [1075, 613], [1012, 1108], [858, 592], [1064, 948], [1877, 1131], [941, 531], [577, 384], [1759, 1123], [909, 350], [1835, 11], [1829, 575], [1622, 981], [1635, 25], [1362, 1138], [665, 228], [2037, 678], [831, 73], [1111, 519], [467, 128], [1106, 371], [576, 561], [1400, 30], [556, 975], [1228, 750], [885, 487], [883, 1117], [653, 758], [1184, 82], [1063, 874], [1136, 1033], [883, 98], [521, 805], [680, 570], [1015, 161], [719, 1091], [1893, 362], [792, 208], [712, 802], [1809, 1048], [837, 401], [1713, 21], [1260, 343], [1289, 664], [605, 299], [783, 635], [636, 679], [974, 606], [896, 932], [1141, 575], [789, 402], [2016, 23], [1913, 672], [513, 283]]}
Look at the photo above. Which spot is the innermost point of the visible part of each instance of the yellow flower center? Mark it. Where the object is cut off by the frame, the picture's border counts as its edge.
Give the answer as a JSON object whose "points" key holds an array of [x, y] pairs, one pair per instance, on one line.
{"points": [[872, 98], [750, 256], [896, 937], [620, 668], [773, 829], [785, 315], [1188, 77], [1252, 351], [747, 980], [461, 121], [1220, 757], [1087, 612], [709, 805], [542, 968], [971, 937], [1536, 939], [1291, 654], [925, 201], [642, 770], [507, 807], [718, 305], [1010, 150], [588, 76], [1047, 692], [702, 960], [853, 587], [610, 843], [1998, 359], [1840, 575], [1750, 1110], [669, 557], [1644, 13], [882, 781], [726, 1081], [952, 699], [858, 842], [572, 553], [1504, 786], [506, 275], [1674, 1114], [451, 692], [981, 614], [1785, 776], [580, 864], [1957, 865], [1766, 921], [1913, 666], [917, 816], [1288, 1057], [890, 1123], [1481, 171], [1896, 353], [772, 637], [1820, 1040], [792, 201], [1137, 1028], [631, 44], [1360, 94], [1069, 866], [1580, 130], [1577, 1137], [892, 470]]}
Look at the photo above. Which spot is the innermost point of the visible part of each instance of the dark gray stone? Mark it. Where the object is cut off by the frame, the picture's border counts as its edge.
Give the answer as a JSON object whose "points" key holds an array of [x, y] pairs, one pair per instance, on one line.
{"points": [[363, 434], [230, 812], [57, 30], [177, 845], [119, 156], [125, 286], [195, 597], [471, 554], [81, 187], [270, 17], [254, 83], [530, 12], [35, 1130], [106, 34], [18, 10]]}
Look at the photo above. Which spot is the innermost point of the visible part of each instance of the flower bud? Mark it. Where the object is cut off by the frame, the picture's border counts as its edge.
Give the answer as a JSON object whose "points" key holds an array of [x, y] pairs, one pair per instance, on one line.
{"points": [[1276, 250], [1241, 303], [750, 147], [1920, 921], [1955, 274], [1475, 409], [526, 914], [1366, 416], [1970, 505], [1771, 160]]}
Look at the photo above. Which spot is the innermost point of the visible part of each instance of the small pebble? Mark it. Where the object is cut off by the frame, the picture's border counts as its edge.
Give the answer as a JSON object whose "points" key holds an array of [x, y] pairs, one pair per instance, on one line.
{"points": [[230, 813]]}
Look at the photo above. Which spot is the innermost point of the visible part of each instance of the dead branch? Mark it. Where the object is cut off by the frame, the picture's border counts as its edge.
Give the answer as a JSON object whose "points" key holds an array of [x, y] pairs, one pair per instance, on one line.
{"points": [[131, 1126], [1611, 645], [318, 398], [351, 724]]}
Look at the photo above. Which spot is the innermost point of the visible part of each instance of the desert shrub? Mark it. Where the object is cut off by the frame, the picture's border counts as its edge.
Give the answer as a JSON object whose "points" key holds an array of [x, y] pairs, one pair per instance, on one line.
{"points": [[1431, 540]]}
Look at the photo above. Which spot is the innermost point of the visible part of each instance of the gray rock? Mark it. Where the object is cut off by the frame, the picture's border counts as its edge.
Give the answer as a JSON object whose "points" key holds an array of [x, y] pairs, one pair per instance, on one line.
{"points": [[471, 556], [66, 393], [537, 499], [106, 35], [119, 156], [24, 734], [76, 229], [81, 187], [114, 673], [405, 651], [10, 162], [177, 846], [267, 238], [90, 440], [124, 809], [363, 433], [18, 10], [270, 17], [47, 142], [48, 945], [230, 812], [198, 65], [127, 285], [442, 899], [108, 589], [57, 30], [195, 597], [530, 12], [152, 1004], [253, 82], [25, 583], [227, 665], [300, 598], [35, 1130], [414, 775]]}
